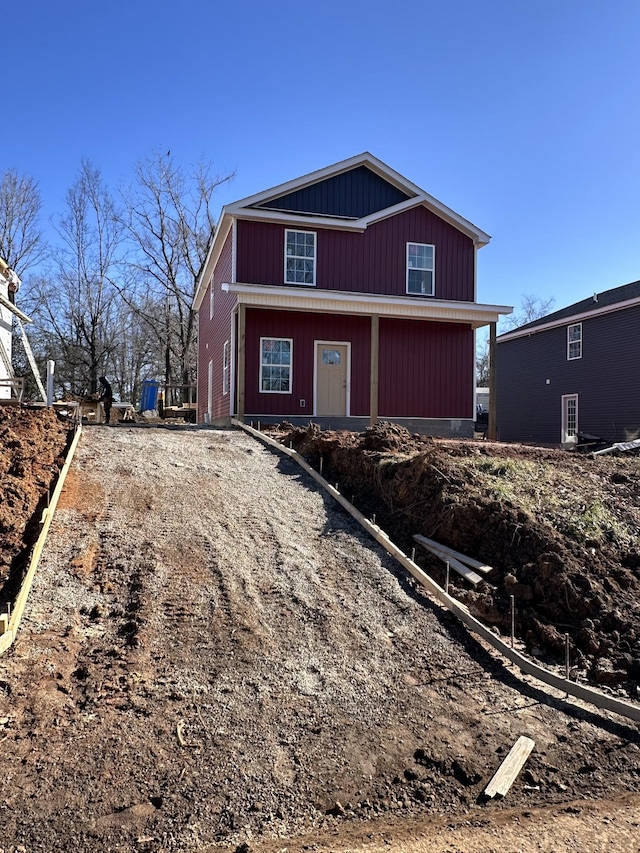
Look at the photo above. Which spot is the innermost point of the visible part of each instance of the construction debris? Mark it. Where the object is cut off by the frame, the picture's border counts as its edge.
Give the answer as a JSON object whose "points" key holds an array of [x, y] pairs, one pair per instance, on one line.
{"points": [[508, 771]]}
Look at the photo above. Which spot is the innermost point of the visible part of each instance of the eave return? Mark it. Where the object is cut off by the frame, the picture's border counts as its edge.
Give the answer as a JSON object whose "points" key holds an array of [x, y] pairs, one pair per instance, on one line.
{"points": [[353, 194]]}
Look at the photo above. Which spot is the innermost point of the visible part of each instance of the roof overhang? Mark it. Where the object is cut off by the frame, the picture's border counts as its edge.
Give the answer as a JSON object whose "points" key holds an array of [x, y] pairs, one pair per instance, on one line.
{"points": [[343, 302], [569, 320]]}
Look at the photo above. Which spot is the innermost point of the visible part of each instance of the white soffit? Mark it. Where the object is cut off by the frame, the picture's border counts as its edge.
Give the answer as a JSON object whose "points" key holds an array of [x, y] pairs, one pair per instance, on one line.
{"points": [[342, 302]]}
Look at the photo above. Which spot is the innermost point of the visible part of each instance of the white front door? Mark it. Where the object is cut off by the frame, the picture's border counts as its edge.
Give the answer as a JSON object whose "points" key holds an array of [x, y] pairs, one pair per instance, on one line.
{"points": [[569, 419], [331, 378]]}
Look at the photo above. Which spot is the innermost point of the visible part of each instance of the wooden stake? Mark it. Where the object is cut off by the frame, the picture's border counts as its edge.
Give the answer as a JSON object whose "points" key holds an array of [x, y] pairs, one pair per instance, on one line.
{"points": [[567, 663], [513, 620]]}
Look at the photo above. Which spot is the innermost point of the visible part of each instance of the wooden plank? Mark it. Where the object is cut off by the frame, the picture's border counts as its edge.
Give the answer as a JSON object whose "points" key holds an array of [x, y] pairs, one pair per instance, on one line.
{"points": [[506, 774], [23, 594], [468, 561], [467, 573]]}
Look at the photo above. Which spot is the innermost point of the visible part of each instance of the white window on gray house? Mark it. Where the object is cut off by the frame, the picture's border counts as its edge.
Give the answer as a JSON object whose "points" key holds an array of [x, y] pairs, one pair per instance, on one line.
{"points": [[300, 257], [574, 341], [225, 368], [275, 365], [420, 269]]}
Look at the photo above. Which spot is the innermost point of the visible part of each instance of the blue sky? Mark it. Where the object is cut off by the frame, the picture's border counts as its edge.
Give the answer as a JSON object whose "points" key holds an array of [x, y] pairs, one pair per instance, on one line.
{"points": [[521, 115]]}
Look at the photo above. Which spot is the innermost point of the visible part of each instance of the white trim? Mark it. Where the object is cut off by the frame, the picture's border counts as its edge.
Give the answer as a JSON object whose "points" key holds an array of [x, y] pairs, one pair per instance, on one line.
{"points": [[276, 338], [299, 220], [210, 388], [565, 439], [211, 297], [346, 344], [423, 269], [216, 247], [234, 250], [418, 196], [232, 365], [244, 209], [569, 320], [288, 231], [302, 298], [226, 367], [331, 171], [569, 342]]}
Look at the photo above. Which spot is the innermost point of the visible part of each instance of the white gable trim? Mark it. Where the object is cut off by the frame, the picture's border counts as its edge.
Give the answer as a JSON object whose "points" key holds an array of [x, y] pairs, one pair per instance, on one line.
{"points": [[246, 209]]}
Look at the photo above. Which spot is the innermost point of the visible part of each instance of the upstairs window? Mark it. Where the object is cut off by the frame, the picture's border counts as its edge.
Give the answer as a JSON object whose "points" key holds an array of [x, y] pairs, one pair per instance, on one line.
{"points": [[420, 268], [574, 341], [275, 365], [211, 298], [300, 257]]}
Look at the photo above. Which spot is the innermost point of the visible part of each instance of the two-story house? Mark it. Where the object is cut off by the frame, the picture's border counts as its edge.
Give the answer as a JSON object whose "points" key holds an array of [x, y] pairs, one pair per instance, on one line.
{"points": [[572, 371], [343, 297]]}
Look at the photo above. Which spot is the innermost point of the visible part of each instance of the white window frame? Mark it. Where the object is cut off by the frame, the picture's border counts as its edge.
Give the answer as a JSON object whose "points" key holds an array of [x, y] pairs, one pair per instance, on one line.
{"points": [[575, 341], [261, 365], [225, 368], [300, 257], [432, 269], [569, 436], [211, 298]]}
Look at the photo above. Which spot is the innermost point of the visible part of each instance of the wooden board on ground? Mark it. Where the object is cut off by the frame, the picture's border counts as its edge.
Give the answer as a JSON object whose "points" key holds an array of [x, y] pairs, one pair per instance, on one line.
{"points": [[467, 573], [510, 767], [468, 561]]}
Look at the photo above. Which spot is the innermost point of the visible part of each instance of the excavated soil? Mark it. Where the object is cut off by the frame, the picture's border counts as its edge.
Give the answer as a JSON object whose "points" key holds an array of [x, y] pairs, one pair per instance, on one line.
{"points": [[559, 529], [215, 656]]}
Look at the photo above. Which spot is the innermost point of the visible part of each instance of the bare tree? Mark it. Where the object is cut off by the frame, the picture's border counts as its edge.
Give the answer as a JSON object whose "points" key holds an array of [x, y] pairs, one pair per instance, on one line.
{"points": [[170, 222], [22, 245], [482, 363], [76, 302], [531, 308]]}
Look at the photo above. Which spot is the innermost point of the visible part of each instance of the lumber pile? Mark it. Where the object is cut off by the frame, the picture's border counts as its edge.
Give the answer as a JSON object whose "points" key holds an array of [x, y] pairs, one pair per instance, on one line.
{"points": [[465, 566]]}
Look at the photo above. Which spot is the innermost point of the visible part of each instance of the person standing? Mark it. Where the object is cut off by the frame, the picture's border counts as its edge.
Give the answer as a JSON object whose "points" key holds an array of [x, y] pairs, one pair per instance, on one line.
{"points": [[106, 398]]}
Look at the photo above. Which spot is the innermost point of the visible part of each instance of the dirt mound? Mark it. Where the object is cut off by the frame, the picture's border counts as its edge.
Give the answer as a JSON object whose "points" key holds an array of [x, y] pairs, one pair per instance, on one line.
{"points": [[559, 529], [32, 446]]}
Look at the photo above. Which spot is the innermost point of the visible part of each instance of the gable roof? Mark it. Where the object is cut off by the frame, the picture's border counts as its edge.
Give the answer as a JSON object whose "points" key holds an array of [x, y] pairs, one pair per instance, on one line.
{"points": [[605, 302], [321, 199]]}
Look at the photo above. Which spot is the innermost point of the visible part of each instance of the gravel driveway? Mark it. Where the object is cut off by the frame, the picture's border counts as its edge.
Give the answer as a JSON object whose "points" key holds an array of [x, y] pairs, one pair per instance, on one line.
{"points": [[215, 653]]}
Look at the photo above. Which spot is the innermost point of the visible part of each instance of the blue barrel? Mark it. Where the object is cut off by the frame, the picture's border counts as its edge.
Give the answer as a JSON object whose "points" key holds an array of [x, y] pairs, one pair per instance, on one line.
{"points": [[149, 396]]}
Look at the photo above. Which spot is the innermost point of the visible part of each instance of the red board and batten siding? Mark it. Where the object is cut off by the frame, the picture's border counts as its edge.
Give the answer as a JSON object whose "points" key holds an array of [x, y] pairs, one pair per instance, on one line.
{"points": [[212, 335], [369, 262], [304, 329], [423, 366], [424, 369]]}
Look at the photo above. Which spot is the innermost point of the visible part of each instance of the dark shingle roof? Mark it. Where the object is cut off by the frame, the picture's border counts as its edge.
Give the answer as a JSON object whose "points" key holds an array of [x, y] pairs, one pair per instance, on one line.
{"points": [[593, 303]]}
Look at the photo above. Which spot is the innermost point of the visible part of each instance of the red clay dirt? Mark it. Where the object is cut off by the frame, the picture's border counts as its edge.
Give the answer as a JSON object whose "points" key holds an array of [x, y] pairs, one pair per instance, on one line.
{"points": [[559, 528]]}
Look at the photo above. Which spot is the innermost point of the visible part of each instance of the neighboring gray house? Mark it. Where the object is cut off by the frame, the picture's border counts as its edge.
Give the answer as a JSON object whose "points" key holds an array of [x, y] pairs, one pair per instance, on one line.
{"points": [[574, 371]]}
